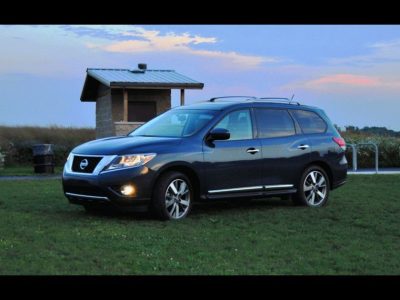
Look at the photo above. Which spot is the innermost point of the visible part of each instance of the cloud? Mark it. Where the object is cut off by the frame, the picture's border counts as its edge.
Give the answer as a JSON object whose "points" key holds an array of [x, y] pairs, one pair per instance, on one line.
{"points": [[344, 79], [338, 82], [146, 41], [97, 31], [379, 53]]}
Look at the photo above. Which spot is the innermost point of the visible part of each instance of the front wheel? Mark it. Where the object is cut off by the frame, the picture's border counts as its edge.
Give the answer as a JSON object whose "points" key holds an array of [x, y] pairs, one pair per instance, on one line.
{"points": [[313, 188], [173, 195]]}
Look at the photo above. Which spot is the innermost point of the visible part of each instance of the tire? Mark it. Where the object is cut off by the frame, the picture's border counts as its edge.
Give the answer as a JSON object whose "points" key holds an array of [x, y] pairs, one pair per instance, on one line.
{"points": [[313, 188], [173, 196]]}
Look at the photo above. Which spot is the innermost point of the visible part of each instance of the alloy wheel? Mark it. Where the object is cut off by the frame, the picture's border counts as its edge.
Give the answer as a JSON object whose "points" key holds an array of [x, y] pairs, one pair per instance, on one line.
{"points": [[177, 198], [315, 189]]}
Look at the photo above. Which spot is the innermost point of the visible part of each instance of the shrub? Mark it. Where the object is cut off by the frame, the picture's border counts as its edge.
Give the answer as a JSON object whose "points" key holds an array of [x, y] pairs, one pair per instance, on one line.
{"points": [[17, 142], [389, 150]]}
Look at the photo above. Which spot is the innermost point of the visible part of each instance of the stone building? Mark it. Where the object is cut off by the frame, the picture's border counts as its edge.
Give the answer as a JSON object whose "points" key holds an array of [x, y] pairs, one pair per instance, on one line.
{"points": [[125, 98]]}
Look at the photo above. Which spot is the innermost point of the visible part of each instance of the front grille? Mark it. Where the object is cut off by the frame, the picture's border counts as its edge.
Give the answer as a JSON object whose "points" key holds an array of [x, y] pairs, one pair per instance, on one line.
{"points": [[85, 164]]}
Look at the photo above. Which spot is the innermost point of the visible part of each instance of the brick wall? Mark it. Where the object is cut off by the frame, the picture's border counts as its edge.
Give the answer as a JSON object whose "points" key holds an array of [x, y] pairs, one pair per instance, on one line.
{"points": [[110, 109], [104, 120]]}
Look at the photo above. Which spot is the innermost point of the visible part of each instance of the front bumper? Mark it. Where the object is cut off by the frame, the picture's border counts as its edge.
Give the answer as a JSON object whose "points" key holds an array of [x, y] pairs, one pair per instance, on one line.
{"points": [[104, 188]]}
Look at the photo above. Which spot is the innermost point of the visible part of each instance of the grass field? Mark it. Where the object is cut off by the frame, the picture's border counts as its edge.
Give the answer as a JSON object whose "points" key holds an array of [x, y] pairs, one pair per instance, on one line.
{"points": [[26, 171], [356, 233]]}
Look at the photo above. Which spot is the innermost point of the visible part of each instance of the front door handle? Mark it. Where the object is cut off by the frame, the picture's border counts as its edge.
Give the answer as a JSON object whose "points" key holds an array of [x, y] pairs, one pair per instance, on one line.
{"points": [[303, 147], [252, 150]]}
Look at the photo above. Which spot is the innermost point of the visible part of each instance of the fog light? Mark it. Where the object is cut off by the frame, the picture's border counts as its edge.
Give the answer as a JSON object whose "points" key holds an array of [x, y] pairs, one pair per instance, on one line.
{"points": [[127, 190]]}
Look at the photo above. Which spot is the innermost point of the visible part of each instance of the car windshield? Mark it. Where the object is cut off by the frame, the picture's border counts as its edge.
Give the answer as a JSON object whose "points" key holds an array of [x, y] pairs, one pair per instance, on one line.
{"points": [[175, 123]]}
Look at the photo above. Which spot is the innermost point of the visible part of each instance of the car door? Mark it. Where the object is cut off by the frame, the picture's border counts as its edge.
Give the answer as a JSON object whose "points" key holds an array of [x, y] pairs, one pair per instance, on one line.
{"points": [[285, 151], [233, 165]]}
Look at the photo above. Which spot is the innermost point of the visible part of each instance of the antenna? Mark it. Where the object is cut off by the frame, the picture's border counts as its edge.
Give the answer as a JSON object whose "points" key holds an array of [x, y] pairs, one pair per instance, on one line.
{"points": [[291, 99]]}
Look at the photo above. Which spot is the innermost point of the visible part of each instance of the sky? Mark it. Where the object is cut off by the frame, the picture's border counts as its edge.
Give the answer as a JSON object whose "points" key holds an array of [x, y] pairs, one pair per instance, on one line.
{"points": [[350, 71]]}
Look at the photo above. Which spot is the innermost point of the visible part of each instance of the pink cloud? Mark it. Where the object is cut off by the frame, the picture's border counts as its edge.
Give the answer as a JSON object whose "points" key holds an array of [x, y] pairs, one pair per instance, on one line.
{"points": [[344, 82], [347, 79]]}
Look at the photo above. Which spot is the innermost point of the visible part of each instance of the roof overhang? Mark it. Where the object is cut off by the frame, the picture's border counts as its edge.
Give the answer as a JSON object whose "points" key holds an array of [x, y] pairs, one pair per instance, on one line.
{"points": [[92, 83]]}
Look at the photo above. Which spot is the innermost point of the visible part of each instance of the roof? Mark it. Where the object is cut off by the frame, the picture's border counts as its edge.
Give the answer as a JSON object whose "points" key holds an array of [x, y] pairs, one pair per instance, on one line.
{"points": [[125, 78]]}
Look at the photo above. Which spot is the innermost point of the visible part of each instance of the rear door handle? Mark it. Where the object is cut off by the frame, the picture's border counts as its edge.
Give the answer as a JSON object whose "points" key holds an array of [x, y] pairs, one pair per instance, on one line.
{"points": [[303, 147], [252, 150]]}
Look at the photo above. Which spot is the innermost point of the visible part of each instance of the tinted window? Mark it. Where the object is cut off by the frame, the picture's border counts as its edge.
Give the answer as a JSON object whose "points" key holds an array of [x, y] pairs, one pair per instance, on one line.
{"points": [[239, 125], [309, 121], [274, 123], [175, 123]]}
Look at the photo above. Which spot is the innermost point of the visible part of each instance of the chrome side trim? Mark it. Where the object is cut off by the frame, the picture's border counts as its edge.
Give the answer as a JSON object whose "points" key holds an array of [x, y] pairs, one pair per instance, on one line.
{"points": [[87, 196], [250, 188], [278, 186]]}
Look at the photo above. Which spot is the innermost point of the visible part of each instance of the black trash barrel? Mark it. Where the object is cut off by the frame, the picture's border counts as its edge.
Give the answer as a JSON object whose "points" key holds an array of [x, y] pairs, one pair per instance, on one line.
{"points": [[43, 158]]}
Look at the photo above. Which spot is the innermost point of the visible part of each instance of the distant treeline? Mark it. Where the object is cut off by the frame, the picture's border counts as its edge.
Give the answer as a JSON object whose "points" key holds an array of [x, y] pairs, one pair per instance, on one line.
{"points": [[374, 130]]}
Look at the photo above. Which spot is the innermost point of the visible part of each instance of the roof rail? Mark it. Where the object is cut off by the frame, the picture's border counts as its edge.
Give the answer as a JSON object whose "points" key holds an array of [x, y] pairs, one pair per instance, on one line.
{"points": [[278, 99], [261, 99], [247, 97]]}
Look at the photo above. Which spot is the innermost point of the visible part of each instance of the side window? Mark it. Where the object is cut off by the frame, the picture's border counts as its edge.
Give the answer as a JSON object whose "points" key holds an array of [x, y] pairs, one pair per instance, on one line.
{"points": [[274, 123], [309, 121], [239, 125]]}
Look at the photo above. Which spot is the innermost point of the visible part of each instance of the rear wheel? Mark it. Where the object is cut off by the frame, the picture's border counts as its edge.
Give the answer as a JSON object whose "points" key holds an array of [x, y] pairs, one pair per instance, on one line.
{"points": [[313, 188], [173, 195]]}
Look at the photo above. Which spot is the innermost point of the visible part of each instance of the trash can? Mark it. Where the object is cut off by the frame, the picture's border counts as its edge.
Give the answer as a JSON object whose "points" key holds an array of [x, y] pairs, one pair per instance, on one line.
{"points": [[43, 158]]}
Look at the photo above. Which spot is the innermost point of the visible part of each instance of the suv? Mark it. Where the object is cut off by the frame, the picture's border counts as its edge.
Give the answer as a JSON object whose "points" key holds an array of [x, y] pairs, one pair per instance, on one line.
{"points": [[218, 149]]}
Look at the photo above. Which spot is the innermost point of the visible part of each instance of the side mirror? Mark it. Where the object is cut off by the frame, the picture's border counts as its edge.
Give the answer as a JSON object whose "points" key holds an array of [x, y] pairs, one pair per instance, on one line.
{"points": [[219, 134]]}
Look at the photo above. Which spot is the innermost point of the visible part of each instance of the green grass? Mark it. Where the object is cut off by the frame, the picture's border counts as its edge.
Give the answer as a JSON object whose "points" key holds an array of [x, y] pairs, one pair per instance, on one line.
{"points": [[356, 233], [26, 171]]}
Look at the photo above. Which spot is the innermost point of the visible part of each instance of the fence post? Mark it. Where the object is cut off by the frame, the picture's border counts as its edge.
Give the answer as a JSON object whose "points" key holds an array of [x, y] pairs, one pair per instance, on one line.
{"points": [[376, 154], [354, 148], [376, 158]]}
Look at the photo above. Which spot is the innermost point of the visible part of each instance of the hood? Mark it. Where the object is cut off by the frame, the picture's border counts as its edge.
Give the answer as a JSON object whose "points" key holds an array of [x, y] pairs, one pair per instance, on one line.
{"points": [[120, 145]]}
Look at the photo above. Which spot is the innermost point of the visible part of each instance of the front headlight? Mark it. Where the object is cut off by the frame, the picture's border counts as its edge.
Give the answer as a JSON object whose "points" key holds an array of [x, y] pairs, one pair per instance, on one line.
{"points": [[126, 161]]}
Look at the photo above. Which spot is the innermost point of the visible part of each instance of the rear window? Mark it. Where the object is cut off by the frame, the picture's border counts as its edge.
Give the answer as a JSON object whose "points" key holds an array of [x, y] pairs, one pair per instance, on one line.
{"points": [[309, 121], [274, 123]]}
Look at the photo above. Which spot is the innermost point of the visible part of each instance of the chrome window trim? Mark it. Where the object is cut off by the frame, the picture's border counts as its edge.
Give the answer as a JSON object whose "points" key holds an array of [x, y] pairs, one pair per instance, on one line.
{"points": [[87, 196]]}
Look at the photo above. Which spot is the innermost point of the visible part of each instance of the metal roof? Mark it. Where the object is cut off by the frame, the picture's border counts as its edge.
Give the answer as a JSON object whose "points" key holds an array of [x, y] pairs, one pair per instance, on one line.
{"points": [[112, 77], [125, 78]]}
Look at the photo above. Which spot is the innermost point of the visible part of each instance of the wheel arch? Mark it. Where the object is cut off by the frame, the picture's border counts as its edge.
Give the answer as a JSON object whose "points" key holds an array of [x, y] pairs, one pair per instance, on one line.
{"points": [[184, 168], [325, 166]]}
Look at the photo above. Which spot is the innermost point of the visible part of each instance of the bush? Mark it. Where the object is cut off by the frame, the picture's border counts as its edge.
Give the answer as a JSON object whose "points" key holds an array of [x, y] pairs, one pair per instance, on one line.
{"points": [[389, 150], [17, 142]]}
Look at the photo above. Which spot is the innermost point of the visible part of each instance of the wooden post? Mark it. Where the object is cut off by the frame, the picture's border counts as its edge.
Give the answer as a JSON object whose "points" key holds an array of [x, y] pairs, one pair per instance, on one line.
{"points": [[125, 92], [182, 97]]}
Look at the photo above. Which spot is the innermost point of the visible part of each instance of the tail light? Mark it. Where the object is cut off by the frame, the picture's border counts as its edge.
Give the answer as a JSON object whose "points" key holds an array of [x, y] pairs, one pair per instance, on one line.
{"points": [[340, 141]]}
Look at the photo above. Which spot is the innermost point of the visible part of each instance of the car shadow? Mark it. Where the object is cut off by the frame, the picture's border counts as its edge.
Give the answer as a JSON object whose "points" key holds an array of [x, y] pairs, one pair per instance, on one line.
{"points": [[239, 205], [199, 209]]}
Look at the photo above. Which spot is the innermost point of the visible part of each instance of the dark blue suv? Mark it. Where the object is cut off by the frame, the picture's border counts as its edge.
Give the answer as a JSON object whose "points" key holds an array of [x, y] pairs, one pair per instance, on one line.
{"points": [[219, 149]]}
